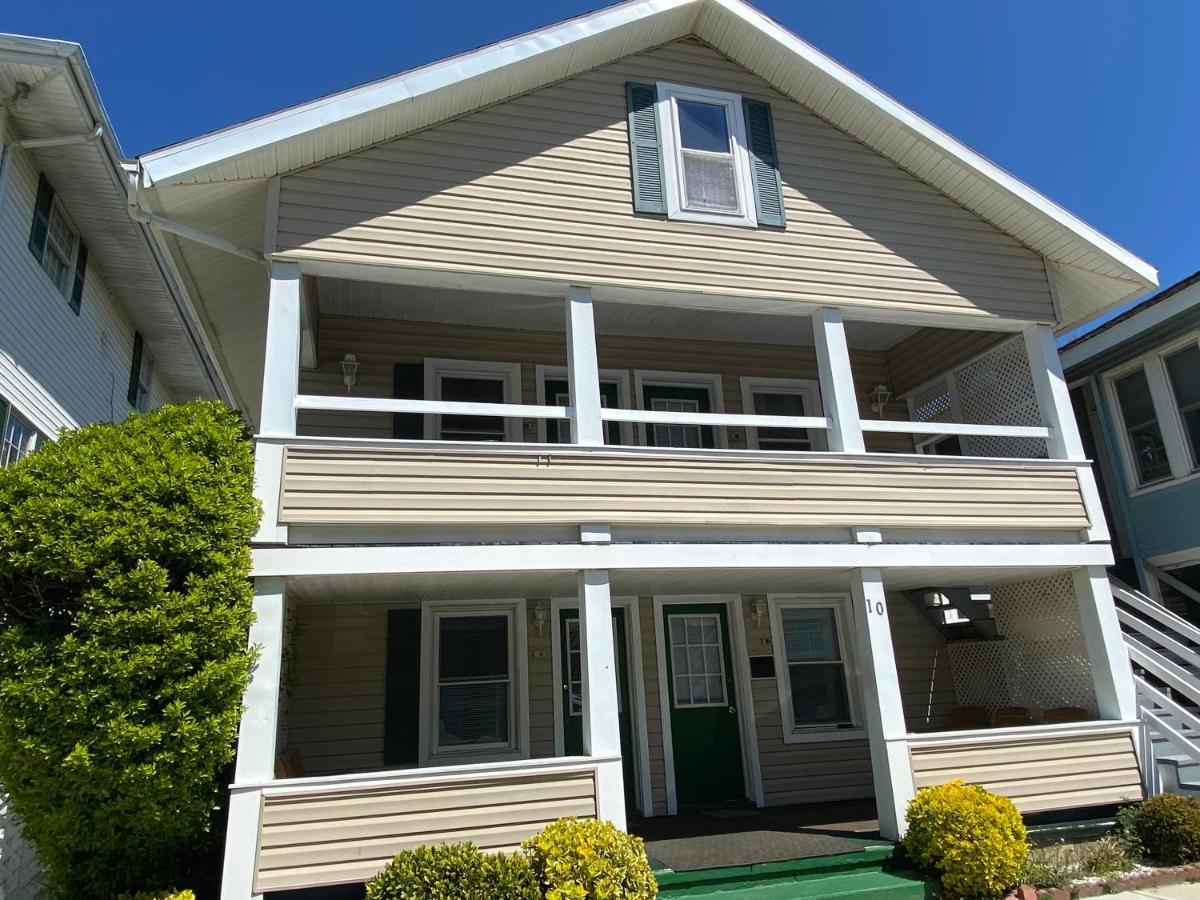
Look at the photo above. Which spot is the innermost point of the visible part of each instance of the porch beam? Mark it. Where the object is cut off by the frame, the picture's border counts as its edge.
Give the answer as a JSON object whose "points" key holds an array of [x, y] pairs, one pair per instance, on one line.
{"points": [[583, 369], [601, 726], [1108, 658], [838, 396], [883, 706]]}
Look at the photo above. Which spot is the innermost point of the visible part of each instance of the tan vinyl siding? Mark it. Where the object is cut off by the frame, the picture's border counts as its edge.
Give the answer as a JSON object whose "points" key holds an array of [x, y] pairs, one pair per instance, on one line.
{"points": [[380, 343], [541, 684], [330, 485], [923, 668], [539, 187], [1039, 773], [932, 352], [327, 837]]}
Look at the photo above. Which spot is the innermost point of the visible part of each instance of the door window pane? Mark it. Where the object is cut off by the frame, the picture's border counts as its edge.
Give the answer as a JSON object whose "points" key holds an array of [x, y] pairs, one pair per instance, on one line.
{"points": [[676, 435], [787, 404], [816, 670], [1142, 428], [474, 681], [1184, 371], [472, 390], [697, 662]]}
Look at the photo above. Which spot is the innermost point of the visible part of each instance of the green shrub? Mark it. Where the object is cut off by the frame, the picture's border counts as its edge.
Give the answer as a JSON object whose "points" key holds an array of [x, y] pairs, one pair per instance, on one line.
{"points": [[158, 895], [1057, 865], [1167, 829], [586, 858], [454, 872], [124, 607], [973, 840]]}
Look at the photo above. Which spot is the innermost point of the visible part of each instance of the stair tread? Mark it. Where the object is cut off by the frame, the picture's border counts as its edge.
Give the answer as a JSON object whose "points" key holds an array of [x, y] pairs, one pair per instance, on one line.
{"points": [[843, 886]]}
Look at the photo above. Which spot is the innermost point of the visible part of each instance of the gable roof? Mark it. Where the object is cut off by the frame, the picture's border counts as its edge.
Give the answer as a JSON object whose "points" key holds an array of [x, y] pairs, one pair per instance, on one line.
{"points": [[1092, 272]]}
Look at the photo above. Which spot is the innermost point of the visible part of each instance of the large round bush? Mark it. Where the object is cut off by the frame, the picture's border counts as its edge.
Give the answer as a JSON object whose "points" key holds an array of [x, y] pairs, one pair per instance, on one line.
{"points": [[973, 840], [124, 607], [575, 859], [454, 872], [1167, 828]]}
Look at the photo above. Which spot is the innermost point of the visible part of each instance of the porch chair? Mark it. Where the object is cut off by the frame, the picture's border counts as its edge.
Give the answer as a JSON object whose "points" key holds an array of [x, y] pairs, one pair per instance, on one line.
{"points": [[1012, 717], [1062, 714], [966, 717], [289, 764]]}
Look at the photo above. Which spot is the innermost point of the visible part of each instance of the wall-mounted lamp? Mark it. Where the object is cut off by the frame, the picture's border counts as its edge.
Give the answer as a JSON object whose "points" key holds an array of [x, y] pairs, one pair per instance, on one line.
{"points": [[758, 610], [349, 371], [879, 398], [540, 615]]}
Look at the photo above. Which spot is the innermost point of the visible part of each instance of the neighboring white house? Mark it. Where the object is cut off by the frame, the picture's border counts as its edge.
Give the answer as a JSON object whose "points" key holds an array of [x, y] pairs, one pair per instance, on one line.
{"points": [[93, 322]]}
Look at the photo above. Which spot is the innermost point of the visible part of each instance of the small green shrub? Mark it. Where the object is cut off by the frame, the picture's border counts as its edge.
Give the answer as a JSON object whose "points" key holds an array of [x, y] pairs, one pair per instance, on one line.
{"points": [[157, 895], [1167, 829], [454, 872], [973, 840], [574, 859]]}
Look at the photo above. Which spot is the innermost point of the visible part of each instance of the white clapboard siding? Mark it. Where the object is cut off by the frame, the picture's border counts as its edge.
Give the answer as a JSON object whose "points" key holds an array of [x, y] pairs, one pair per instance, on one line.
{"points": [[1037, 772], [318, 838], [331, 485], [539, 187]]}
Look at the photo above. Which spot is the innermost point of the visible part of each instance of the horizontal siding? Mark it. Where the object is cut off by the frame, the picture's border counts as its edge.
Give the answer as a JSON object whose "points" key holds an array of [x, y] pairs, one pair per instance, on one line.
{"points": [[419, 487], [931, 352], [316, 839], [539, 187], [1039, 774]]}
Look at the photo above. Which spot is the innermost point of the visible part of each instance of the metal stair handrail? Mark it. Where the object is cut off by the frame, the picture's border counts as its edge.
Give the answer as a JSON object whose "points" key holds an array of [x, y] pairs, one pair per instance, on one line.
{"points": [[1151, 694], [1177, 739], [1167, 578], [1164, 640], [1156, 611]]}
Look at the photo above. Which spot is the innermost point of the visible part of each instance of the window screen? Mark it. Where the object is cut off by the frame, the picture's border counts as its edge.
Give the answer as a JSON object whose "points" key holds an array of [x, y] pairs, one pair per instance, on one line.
{"points": [[474, 681]]}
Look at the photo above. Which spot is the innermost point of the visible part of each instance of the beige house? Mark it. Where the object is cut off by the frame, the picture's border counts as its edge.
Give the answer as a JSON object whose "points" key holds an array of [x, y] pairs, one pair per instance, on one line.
{"points": [[651, 415]]}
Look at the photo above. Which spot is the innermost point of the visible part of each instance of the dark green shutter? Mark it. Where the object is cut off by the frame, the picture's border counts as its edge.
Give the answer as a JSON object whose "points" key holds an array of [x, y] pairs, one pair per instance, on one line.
{"points": [[645, 148], [408, 383], [135, 369], [402, 698], [764, 163], [41, 218], [80, 274]]}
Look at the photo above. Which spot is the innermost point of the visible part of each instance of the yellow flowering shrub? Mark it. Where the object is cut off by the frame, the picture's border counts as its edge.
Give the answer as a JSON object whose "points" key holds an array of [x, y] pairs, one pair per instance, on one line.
{"points": [[159, 895], [972, 839], [586, 859]]}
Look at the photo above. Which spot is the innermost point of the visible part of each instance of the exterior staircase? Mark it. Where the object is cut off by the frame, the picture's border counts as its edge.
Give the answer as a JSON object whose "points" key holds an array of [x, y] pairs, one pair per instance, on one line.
{"points": [[1164, 650]]}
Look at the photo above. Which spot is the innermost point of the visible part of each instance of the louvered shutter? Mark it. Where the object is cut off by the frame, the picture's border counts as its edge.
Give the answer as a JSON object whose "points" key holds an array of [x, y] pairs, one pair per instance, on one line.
{"points": [[645, 148], [764, 163], [135, 370], [81, 256], [41, 218]]}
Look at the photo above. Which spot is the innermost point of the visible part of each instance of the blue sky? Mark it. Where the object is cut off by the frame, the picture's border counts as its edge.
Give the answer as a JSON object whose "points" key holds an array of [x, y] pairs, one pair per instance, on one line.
{"points": [[1093, 102]]}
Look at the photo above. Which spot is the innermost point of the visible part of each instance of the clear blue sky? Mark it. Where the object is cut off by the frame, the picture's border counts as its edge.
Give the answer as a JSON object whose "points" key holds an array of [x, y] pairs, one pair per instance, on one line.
{"points": [[1093, 102]]}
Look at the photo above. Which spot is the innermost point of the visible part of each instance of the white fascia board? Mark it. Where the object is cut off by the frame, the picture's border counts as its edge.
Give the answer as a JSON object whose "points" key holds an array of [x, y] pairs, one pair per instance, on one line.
{"points": [[927, 132], [179, 159], [1130, 328]]}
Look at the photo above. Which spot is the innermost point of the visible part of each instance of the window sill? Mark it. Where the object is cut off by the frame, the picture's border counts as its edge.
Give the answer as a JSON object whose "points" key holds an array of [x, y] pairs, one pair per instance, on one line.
{"points": [[824, 736], [1161, 485], [468, 757], [684, 215]]}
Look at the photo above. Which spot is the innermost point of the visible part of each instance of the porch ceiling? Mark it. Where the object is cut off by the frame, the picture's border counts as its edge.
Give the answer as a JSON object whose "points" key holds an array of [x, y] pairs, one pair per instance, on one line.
{"points": [[449, 306]]}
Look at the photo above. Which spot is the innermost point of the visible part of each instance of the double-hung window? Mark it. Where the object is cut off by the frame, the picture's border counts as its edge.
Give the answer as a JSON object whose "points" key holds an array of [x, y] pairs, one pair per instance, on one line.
{"points": [[141, 374], [706, 163], [54, 243], [1183, 372], [812, 663], [782, 397], [17, 436], [474, 696], [1142, 429], [469, 381]]}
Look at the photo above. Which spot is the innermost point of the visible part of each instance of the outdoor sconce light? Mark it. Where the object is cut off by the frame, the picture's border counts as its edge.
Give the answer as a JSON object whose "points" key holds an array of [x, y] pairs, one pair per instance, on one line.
{"points": [[540, 615], [879, 398], [349, 370], [758, 609]]}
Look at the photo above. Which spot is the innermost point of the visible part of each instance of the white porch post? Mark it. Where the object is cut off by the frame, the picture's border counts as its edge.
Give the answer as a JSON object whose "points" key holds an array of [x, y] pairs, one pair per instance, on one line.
{"points": [[1112, 678], [883, 710], [601, 727], [256, 738], [1057, 414], [281, 377], [837, 382], [583, 370]]}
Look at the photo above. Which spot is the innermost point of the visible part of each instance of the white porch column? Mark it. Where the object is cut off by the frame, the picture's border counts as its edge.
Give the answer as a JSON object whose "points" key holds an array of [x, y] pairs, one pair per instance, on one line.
{"points": [[256, 738], [601, 727], [1112, 678], [281, 379], [883, 709], [583, 370], [837, 382]]}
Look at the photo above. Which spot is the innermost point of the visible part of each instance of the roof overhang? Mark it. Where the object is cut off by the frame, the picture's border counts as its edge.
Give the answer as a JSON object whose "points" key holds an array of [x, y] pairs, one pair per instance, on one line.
{"points": [[1095, 273]]}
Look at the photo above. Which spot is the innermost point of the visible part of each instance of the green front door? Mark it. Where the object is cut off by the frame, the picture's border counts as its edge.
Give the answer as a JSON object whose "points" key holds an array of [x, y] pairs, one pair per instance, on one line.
{"points": [[572, 691], [558, 394], [672, 398], [705, 735]]}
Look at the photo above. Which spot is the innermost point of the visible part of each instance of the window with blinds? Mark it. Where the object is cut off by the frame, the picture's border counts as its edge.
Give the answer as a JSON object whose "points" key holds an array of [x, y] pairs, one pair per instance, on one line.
{"points": [[474, 680]]}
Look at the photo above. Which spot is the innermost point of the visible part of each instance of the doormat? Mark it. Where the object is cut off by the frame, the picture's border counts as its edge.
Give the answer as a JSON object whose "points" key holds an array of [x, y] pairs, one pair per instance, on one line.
{"points": [[754, 843]]}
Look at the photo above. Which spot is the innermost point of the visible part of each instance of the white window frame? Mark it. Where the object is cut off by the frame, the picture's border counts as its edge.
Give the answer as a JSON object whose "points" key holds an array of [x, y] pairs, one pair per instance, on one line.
{"points": [[843, 617], [710, 381], [668, 127], [807, 388], [1170, 419], [509, 374], [32, 440], [145, 380], [517, 746], [619, 377]]}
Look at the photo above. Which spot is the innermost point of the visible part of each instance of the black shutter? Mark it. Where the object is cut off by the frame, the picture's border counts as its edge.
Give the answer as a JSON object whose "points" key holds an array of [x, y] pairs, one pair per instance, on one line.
{"points": [[80, 274], [41, 218], [402, 701], [408, 383], [135, 370], [764, 163], [645, 148]]}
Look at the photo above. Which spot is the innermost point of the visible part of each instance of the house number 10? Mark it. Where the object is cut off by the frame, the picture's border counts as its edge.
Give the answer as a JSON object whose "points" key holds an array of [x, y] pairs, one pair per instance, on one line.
{"points": [[875, 606]]}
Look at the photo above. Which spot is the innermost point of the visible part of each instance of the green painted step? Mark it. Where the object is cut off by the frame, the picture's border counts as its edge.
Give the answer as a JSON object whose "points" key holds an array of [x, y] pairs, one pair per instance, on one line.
{"points": [[844, 886]]}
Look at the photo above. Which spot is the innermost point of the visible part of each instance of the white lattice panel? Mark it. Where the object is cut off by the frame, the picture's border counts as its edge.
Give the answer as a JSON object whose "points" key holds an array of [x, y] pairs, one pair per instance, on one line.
{"points": [[932, 403], [20, 874], [980, 673]]}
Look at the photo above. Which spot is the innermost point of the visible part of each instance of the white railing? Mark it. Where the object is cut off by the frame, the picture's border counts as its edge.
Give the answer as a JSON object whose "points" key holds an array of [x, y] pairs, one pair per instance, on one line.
{"points": [[1189, 592]]}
